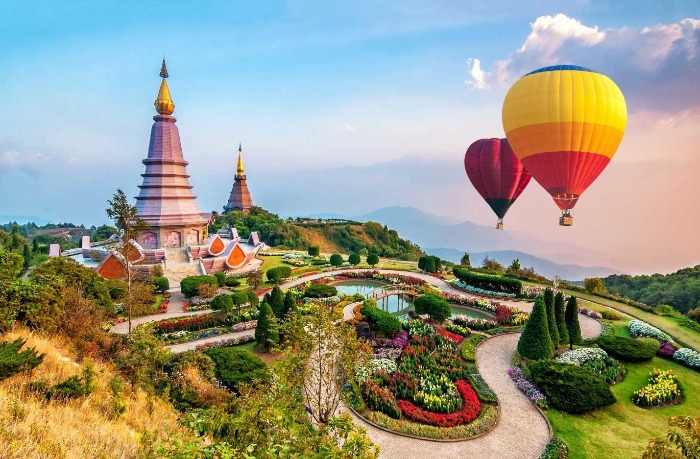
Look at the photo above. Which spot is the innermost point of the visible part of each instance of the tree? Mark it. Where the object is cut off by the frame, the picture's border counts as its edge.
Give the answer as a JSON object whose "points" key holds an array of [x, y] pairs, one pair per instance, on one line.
{"points": [[492, 265], [129, 225], [595, 285], [314, 250], [16, 240], [276, 301], [677, 444], [429, 264], [437, 308], [372, 259], [465, 261], [255, 279], [279, 273], [514, 267], [35, 246], [10, 265], [535, 342], [13, 360], [572, 325], [559, 314], [354, 259], [266, 331], [27, 255], [290, 303], [336, 260], [551, 316]]}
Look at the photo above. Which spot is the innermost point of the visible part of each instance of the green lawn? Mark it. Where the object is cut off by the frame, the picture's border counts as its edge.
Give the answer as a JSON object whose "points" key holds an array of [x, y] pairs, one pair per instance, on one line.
{"points": [[623, 429]]}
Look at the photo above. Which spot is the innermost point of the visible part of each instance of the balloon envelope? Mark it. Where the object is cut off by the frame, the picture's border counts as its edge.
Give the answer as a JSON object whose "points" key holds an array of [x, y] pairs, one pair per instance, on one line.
{"points": [[564, 123], [496, 173]]}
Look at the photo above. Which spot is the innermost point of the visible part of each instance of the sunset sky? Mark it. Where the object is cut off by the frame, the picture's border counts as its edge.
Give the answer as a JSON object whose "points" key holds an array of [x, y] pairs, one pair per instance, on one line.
{"points": [[346, 107]]}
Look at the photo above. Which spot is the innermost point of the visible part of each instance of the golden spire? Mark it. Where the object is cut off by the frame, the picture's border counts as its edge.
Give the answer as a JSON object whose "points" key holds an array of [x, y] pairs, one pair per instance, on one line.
{"points": [[164, 104], [239, 167]]}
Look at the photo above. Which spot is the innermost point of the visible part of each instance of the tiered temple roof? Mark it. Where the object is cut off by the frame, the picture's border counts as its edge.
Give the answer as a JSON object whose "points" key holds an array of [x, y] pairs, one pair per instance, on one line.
{"points": [[240, 196]]}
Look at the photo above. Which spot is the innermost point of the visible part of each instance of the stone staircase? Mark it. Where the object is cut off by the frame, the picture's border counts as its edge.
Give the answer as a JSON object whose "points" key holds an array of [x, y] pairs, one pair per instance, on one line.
{"points": [[177, 267]]}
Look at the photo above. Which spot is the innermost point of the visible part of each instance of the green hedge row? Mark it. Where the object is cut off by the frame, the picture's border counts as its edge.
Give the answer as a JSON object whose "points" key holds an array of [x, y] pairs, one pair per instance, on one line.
{"points": [[629, 349], [488, 282], [189, 286], [386, 324]]}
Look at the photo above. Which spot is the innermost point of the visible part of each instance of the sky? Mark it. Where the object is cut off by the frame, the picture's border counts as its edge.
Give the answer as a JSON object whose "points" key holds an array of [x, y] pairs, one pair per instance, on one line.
{"points": [[346, 107]]}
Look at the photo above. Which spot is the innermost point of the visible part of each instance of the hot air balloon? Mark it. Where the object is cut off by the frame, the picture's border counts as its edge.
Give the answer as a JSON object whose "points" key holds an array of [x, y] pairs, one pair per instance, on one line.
{"points": [[496, 173], [564, 123]]}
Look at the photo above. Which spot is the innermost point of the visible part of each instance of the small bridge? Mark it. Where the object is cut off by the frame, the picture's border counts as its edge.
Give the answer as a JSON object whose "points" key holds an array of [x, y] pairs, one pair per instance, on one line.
{"points": [[389, 290]]}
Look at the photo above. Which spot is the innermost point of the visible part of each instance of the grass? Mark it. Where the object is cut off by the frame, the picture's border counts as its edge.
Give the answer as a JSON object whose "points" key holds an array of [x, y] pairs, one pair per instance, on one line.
{"points": [[623, 429]]}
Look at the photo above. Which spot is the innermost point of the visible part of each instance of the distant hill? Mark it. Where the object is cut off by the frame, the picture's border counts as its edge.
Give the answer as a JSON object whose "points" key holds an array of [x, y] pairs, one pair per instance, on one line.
{"points": [[23, 219], [542, 266]]}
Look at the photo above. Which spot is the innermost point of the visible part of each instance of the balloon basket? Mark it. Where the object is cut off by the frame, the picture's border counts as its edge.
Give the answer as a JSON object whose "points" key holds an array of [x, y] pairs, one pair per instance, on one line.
{"points": [[566, 220], [499, 225]]}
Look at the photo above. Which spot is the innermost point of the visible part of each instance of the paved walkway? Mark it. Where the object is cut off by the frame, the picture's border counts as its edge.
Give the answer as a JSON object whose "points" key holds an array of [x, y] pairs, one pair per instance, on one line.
{"points": [[193, 344]]}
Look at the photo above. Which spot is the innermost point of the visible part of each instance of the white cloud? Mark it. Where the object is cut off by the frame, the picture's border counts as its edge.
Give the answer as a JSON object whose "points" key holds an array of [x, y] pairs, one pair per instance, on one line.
{"points": [[656, 67], [12, 160], [349, 127]]}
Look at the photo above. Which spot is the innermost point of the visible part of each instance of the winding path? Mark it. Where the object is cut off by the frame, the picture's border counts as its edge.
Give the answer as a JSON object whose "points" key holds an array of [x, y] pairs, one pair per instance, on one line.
{"points": [[522, 431]]}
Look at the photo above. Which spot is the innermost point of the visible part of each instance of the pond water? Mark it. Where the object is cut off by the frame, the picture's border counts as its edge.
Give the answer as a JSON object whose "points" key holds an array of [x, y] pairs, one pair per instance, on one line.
{"points": [[399, 305]]}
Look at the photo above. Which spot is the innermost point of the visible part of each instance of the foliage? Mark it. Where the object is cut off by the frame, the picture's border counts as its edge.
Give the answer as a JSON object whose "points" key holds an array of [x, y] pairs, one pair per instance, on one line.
{"points": [[629, 349], [314, 250], [336, 260], [255, 280], [234, 367], [551, 316], [162, 284], [436, 307], [555, 449], [594, 285], [13, 360], [465, 261], [220, 278], [683, 443], [320, 291], [380, 399], [560, 318], [386, 324], [189, 286], [662, 388], [354, 259], [430, 263], [569, 388], [222, 303], [276, 275], [73, 273], [535, 342], [372, 259], [488, 282], [266, 333], [275, 298], [469, 347], [490, 264], [527, 388], [572, 324], [641, 328], [596, 361]]}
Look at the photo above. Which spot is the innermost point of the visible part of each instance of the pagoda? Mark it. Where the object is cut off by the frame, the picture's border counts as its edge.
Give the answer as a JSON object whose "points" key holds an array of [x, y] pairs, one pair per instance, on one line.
{"points": [[240, 196], [165, 200]]}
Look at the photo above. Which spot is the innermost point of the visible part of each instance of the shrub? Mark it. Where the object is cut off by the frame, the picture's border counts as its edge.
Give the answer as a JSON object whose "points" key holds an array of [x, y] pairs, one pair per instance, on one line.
{"points": [[535, 342], [596, 361], [354, 259], [252, 298], [469, 347], [380, 399], [572, 325], [437, 308], [220, 278], [234, 367], [13, 361], [207, 290], [667, 350], [611, 314], [70, 388], [275, 275], [569, 388], [232, 282], [162, 284], [373, 259], [551, 316], [560, 317], [266, 332], [688, 357], [488, 282], [314, 250], [320, 291], [190, 285], [222, 303], [387, 324], [336, 260], [555, 449], [662, 388], [640, 328], [629, 349]]}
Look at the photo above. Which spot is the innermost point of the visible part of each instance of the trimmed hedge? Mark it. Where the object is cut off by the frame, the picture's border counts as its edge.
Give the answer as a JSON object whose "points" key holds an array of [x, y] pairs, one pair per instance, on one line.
{"points": [[237, 366], [535, 342], [162, 284], [189, 286], [469, 347], [320, 291], [629, 349], [386, 324], [222, 303], [437, 308], [488, 282], [276, 275], [570, 388]]}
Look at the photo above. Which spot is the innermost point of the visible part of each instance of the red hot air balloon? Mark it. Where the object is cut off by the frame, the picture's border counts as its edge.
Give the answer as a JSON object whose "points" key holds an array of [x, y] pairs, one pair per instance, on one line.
{"points": [[496, 173]]}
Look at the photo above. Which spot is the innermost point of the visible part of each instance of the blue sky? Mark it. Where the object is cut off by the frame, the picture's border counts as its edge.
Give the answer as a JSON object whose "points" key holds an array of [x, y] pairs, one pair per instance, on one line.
{"points": [[313, 88]]}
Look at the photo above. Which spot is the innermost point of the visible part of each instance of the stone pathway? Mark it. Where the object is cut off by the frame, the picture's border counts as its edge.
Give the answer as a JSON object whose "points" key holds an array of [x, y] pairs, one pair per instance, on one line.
{"points": [[193, 344]]}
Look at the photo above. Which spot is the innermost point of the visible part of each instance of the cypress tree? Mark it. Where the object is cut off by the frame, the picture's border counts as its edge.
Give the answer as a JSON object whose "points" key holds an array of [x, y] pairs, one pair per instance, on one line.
{"points": [[535, 342], [290, 303], [277, 302], [561, 321], [266, 332], [572, 324], [26, 253], [35, 246], [551, 316]]}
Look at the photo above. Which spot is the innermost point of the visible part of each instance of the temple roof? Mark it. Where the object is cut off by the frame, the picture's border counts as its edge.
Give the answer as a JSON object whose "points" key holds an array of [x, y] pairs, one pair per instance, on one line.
{"points": [[164, 103], [239, 167]]}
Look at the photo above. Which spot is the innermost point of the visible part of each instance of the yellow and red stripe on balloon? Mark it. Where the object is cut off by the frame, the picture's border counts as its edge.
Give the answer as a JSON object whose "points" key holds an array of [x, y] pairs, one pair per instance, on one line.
{"points": [[564, 123]]}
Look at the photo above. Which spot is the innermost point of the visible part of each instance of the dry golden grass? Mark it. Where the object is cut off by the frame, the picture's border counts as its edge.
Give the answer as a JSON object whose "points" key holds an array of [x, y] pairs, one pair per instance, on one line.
{"points": [[31, 427]]}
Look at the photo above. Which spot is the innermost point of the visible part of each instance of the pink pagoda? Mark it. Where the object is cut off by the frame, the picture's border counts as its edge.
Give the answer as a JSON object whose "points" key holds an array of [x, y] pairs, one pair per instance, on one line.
{"points": [[166, 201]]}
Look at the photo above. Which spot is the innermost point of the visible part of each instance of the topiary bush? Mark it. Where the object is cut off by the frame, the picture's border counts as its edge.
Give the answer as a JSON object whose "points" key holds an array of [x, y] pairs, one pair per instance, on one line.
{"points": [[220, 278], [569, 388], [320, 291], [387, 324], [13, 361], [629, 349], [189, 286], [488, 282], [535, 342], [162, 284], [222, 303], [234, 367], [275, 275], [437, 308]]}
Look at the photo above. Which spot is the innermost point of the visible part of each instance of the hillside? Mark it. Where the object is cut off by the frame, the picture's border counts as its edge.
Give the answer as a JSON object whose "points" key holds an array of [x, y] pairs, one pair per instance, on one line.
{"points": [[342, 237]]}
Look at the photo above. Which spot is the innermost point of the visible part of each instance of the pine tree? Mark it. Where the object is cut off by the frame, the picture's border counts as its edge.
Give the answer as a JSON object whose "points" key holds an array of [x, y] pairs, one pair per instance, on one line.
{"points": [[535, 342], [35, 246], [27, 254], [560, 319], [572, 324], [266, 331], [276, 300], [290, 303], [551, 316]]}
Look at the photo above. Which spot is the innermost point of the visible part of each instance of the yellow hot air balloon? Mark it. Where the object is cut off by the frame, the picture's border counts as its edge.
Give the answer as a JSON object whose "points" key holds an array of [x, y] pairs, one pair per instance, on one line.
{"points": [[564, 123]]}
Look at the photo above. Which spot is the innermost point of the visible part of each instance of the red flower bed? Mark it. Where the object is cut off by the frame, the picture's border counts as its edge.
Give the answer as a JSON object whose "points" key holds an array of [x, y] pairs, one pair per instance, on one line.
{"points": [[163, 308], [504, 315], [454, 337], [469, 412]]}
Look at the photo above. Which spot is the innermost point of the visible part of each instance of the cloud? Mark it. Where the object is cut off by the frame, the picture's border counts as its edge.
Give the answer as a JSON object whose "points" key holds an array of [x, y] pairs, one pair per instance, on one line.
{"points": [[656, 67], [28, 162], [349, 127]]}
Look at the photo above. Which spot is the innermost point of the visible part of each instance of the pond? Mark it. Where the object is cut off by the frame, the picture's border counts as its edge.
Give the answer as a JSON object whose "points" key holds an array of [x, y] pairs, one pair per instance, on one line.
{"points": [[399, 305]]}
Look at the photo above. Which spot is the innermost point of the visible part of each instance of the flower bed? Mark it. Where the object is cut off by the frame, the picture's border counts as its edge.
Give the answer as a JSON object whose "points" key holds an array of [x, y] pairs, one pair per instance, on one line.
{"points": [[470, 410], [667, 350], [662, 389], [527, 388], [597, 361], [163, 307], [688, 357], [469, 347], [185, 336], [474, 323], [454, 337], [582, 355], [639, 328], [458, 329], [590, 313], [227, 342]]}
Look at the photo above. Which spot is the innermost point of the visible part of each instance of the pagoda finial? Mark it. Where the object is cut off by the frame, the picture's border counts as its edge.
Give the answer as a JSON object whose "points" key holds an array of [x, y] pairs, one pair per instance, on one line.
{"points": [[164, 103], [163, 69], [239, 167]]}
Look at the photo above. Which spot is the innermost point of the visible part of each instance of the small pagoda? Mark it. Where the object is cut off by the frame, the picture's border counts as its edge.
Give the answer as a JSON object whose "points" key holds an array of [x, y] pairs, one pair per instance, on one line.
{"points": [[240, 196], [165, 200]]}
